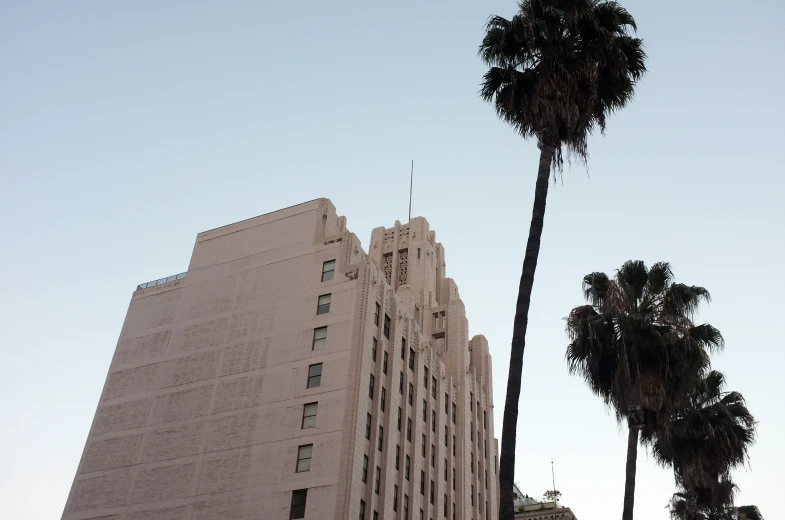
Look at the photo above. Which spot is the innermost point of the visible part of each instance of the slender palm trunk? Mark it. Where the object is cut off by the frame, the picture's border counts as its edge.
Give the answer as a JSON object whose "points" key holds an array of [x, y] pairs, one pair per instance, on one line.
{"points": [[632, 463], [509, 427]]}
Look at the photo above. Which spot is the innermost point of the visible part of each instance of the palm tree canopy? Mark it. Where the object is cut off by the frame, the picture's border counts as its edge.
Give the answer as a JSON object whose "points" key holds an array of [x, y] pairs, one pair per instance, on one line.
{"points": [[558, 68], [635, 344], [709, 437]]}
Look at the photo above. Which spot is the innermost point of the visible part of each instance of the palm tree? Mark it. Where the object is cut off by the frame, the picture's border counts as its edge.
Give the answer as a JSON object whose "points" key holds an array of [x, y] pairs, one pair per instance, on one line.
{"points": [[635, 345], [705, 440], [557, 69]]}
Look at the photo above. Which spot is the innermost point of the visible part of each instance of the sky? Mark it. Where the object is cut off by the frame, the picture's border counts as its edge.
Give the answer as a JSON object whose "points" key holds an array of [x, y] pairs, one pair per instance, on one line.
{"points": [[128, 127]]}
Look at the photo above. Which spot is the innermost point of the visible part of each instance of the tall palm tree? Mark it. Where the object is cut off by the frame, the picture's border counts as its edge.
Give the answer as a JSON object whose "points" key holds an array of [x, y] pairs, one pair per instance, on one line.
{"points": [[636, 347], [705, 440], [557, 69]]}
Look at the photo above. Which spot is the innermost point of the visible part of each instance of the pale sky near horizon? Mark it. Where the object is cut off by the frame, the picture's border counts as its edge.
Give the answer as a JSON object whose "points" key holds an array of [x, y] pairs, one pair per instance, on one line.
{"points": [[127, 128]]}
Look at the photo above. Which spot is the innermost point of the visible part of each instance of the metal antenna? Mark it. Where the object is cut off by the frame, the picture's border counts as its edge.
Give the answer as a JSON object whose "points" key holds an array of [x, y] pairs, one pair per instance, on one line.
{"points": [[553, 476], [411, 185]]}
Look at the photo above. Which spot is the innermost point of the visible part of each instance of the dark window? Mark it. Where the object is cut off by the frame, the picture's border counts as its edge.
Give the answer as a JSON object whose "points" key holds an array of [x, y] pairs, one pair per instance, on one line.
{"points": [[424, 411], [365, 468], [485, 448], [397, 456], [422, 482], [405, 507], [304, 458], [314, 375], [328, 270], [371, 383], [454, 409], [384, 362], [395, 497], [472, 494], [433, 421], [431, 493], [433, 387], [378, 479], [324, 304], [446, 436], [403, 348], [399, 418], [411, 359], [386, 326], [485, 420], [411, 394], [471, 431], [418, 253], [471, 464], [486, 479], [383, 398], [375, 515], [425, 377], [309, 415], [423, 445], [446, 403], [362, 509], [445, 470], [373, 350], [433, 456], [445, 505], [381, 437], [471, 401], [297, 509], [407, 467], [400, 383], [453, 479], [453, 445], [376, 315], [409, 430], [319, 338], [368, 428]]}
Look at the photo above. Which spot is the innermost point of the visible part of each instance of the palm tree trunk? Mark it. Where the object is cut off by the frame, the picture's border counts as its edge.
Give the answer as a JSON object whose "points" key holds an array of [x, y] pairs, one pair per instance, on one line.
{"points": [[632, 463], [510, 424]]}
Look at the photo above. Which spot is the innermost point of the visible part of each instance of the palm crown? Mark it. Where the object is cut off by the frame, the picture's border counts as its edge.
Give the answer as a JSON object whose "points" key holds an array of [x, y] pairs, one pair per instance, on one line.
{"points": [[635, 343], [559, 67]]}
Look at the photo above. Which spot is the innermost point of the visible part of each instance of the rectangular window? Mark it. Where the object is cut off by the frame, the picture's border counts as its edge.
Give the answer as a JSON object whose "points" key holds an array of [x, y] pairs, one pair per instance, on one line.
{"points": [[395, 498], [454, 409], [373, 349], [471, 431], [453, 445], [365, 469], [324, 304], [362, 509], [381, 437], [399, 418], [376, 515], [472, 461], [304, 458], [485, 448], [431, 493], [409, 429], [383, 398], [319, 338], [445, 470], [386, 326], [407, 467], [433, 387], [446, 436], [418, 253], [453, 479], [411, 394], [397, 456], [472, 494], [378, 480], [471, 401], [433, 456], [446, 403], [486, 479], [368, 427], [424, 411], [423, 445], [376, 315], [411, 359], [314, 375], [485, 420], [309, 415], [425, 377], [384, 363], [400, 383], [405, 507], [403, 349], [297, 509], [445, 505], [328, 270], [371, 383], [422, 483]]}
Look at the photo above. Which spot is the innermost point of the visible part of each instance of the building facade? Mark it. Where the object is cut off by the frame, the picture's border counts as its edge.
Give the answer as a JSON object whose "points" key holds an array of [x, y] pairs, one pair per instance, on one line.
{"points": [[288, 374]]}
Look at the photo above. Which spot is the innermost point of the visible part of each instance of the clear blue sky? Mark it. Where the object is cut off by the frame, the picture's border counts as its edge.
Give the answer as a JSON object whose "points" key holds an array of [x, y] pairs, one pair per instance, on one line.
{"points": [[128, 127]]}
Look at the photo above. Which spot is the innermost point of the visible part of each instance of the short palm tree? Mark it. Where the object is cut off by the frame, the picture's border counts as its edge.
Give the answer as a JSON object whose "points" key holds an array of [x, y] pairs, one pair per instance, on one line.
{"points": [[557, 69], [635, 345], [705, 440]]}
